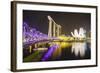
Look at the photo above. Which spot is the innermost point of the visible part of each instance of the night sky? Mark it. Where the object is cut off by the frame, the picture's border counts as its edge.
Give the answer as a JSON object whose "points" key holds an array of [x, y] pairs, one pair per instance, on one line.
{"points": [[68, 21]]}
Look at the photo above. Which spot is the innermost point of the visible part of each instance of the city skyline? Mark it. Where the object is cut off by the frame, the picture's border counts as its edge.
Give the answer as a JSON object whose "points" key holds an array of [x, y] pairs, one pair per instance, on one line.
{"points": [[68, 21], [54, 36]]}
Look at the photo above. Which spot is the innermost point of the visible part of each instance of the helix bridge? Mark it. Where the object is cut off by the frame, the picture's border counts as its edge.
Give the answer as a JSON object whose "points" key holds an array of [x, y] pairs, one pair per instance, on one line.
{"points": [[32, 36]]}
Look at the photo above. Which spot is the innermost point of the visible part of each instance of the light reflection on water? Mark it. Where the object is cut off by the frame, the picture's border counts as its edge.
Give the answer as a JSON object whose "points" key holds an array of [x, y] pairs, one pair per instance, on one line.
{"points": [[71, 51], [68, 51], [61, 51], [79, 48]]}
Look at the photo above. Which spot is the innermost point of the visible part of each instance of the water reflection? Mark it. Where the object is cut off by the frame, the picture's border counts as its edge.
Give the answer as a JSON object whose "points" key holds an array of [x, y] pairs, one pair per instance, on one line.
{"points": [[49, 52], [79, 48], [59, 51]]}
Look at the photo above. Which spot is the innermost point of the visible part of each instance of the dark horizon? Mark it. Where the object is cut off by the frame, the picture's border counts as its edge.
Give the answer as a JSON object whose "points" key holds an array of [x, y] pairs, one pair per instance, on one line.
{"points": [[69, 21]]}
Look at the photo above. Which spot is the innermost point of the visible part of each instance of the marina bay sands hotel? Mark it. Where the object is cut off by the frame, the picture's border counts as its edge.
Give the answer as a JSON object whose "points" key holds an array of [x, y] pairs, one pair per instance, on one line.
{"points": [[54, 29]]}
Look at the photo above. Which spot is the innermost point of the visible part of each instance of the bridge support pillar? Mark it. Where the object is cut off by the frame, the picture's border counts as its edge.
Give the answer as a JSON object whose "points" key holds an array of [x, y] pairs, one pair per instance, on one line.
{"points": [[30, 49]]}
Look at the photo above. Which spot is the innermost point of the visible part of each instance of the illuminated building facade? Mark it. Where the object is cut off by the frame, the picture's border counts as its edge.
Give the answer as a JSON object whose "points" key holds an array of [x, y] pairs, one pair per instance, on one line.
{"points": [[54, 29], [79, 35]]}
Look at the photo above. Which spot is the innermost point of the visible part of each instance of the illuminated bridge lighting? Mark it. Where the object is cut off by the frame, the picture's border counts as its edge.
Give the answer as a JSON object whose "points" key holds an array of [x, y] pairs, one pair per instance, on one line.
{"points": [[31, 35]]}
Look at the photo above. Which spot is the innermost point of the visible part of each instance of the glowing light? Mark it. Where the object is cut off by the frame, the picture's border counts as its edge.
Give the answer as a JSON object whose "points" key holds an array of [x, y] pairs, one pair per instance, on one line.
{"points": [[81, 34], [31, 35], [79, 48], [65, 38], [49, 52]]}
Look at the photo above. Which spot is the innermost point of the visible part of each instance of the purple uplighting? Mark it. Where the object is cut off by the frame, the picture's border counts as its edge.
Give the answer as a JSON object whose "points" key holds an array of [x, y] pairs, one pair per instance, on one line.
{"points": [[31, 35], [49, 52]]}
